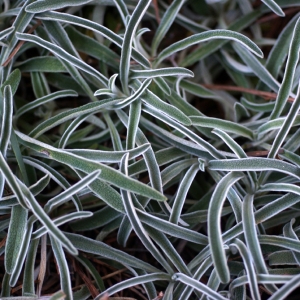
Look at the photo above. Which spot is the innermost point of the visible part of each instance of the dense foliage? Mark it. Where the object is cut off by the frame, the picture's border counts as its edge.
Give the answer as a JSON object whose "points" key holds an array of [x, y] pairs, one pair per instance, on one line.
{"points": [[149, 149]]}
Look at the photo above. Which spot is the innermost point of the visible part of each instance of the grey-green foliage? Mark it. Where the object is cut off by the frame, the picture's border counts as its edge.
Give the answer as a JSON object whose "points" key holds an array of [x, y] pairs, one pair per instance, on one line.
{"points": [[105, 131]]}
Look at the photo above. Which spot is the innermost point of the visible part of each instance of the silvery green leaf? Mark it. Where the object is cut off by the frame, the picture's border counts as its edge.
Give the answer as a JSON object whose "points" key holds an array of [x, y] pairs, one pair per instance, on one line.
{"points": [[152, 73], [157, 104], [13, 80], [174, 257], [23, 250], [6, 125], [133, 123], [71, 114], [5, 32], [130, 31], [176, 125], [122, 8], [54, 175], [224, 125], [286, 289], [214, 230], [65, 280], [274, 7], [45, 220], [259, 107], [255, 164], [185, 145], [149, 157], [206, 36], [12, 182], [71, 128], [67, 18], [136, 223], [108, 174], [15, 238], [251, 237], [43, 100], [168, 18], [35, 189], [257, 67], [252, 277], [134, 281], [58, 51], [182, 193], [99, 248], [65, 195], [197, 285], [109, 156], [172, 229], [42, 64], [135, 96], [280, 50], [44, 5], [212, 46], [287, 124]]}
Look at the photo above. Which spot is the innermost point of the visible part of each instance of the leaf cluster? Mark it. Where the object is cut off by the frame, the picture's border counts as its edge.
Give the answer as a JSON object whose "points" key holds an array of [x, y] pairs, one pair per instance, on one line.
{"points": [[155, 140]]}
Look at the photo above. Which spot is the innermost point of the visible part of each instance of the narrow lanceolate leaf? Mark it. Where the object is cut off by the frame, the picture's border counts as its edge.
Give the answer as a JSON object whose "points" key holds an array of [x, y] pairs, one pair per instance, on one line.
{"points": [[161, 72], [6, 125], [274, 7], [214, 229], [196, 284], [13, 80], [15, 238], [64, 272], [135, 96], [257, 67], [42, 64], [109, 156], [99, 248], [287, 83], [282, 187], [182, 193], [132, 25], [224, 125], [172, 229], [22, 251], [46, 221], [132, 282], [286, 289], [206, 36], [133, 123], [170, 110], [108, 174], [12, 182], [288, 123], [6, 32], [35, 189], [43, 100], [62, 220], [250, 234], [44, 5], [65, 195], [123, 11], [165, 23], [71, 114], [249, 267], [81, 22], [136, 223], [194, 137], [58, 51], [255, 164]]}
